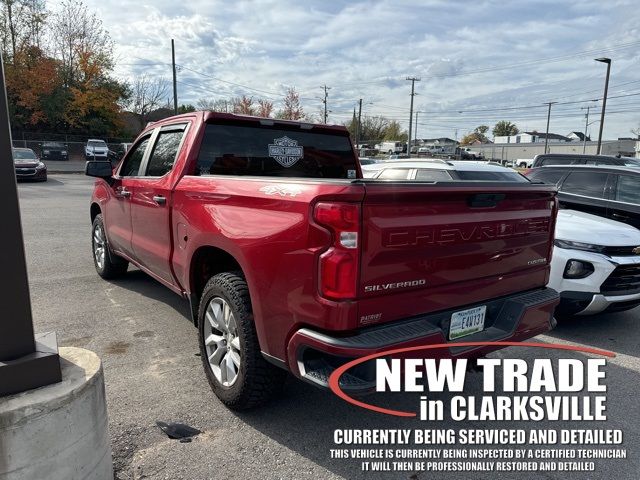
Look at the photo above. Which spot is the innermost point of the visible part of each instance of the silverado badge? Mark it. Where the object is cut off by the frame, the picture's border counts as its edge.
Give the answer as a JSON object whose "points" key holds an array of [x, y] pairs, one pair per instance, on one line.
{"points": [[636, 251], [285, 151]]}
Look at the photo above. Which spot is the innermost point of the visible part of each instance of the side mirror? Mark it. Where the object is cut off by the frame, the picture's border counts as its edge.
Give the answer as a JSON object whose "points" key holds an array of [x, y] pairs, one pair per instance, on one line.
{"points": [[99, 169]]}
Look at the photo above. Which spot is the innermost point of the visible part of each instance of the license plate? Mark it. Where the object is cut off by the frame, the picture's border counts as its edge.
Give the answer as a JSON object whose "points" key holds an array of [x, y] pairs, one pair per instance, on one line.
{"points": [[466, 322]]}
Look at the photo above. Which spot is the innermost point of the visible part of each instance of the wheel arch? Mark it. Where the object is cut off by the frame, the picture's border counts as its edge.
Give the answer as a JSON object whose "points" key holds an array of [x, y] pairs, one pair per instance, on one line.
{"points": [[95, 210], [206, 262]]}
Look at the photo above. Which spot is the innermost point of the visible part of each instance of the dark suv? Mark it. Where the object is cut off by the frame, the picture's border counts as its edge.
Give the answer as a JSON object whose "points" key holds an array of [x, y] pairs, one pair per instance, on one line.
{"points": [[607, 191], [577, 159]]}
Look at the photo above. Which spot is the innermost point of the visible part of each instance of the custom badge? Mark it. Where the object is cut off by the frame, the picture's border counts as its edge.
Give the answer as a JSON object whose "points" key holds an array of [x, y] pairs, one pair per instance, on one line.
{"points": [[285, 151]]}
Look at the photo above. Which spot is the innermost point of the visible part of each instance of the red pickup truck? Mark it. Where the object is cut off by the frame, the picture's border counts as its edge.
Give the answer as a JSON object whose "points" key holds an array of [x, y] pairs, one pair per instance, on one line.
{"points": [[293, 262]]}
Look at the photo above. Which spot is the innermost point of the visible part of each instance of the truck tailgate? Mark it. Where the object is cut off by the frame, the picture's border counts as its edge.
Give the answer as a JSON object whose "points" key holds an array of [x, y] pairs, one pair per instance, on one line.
{"points": [[432, 247]]}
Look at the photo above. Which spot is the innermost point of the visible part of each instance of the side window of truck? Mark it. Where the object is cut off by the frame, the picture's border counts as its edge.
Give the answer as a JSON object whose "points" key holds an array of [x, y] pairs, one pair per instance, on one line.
{"points": [[165, 151], [131, 165]]}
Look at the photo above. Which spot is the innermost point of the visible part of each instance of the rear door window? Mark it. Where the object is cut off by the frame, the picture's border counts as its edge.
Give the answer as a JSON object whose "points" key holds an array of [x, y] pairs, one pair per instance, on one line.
{"points": [[628, 189], [427, 175], [476, 175], [395, 174], [588, 184], [547, 176], [275, 151]]}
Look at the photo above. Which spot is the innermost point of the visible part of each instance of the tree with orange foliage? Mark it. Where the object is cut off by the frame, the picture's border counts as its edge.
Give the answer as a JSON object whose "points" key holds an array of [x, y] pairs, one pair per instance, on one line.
{"points": [[93, 104], [243, 105], [32, 78], [292, 109], [265, 108]]}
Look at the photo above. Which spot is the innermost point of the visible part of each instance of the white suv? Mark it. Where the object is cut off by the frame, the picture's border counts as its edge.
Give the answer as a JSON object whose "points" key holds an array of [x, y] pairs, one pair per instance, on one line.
{"points": [[96, 149], [595, 265]]}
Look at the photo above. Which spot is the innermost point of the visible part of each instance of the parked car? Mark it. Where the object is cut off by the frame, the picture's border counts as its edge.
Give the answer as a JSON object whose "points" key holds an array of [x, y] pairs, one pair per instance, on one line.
{"points": [[292, 261], [436, 170], [54, 151], [28, 166], [96, 150], [467, 153], [595, 265], [523, 163], [577, 159], [607, 191], [398, 156], [390, 147]]}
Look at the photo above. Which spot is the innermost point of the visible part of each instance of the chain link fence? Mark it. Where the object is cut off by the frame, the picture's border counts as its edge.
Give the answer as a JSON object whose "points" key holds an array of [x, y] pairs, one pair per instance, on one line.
{"points": [[74, 143]]}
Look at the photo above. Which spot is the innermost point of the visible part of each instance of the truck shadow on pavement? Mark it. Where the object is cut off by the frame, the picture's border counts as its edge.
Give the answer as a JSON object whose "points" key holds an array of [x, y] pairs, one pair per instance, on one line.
{"points": [[616, 332], [139, 282]]}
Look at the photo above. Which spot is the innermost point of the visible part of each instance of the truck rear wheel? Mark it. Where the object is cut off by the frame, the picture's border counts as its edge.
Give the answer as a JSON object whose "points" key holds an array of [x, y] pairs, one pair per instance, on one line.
{"points": [[237, 372], [108, 264]]}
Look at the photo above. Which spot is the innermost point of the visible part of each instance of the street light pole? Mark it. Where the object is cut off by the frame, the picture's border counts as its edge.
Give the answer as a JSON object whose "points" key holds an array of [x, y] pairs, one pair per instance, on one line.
{"points": [[546, 137], [604, 99]]}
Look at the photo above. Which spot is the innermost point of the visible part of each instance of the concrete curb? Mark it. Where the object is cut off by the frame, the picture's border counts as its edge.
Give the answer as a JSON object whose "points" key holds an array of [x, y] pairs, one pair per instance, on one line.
{"points": [[59, 431]]}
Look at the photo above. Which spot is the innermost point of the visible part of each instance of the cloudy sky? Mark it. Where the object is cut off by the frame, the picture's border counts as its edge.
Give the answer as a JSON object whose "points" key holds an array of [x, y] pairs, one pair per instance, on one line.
{"points": [[479, 62]]}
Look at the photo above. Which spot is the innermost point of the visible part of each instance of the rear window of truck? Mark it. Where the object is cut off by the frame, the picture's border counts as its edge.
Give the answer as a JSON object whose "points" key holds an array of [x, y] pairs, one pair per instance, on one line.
{"points": [[274, 151]]}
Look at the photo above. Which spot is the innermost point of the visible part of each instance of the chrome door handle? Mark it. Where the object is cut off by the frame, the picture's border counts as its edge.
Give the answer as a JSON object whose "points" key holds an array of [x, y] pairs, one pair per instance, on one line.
{"points": [[123, 192], [159, 199]]}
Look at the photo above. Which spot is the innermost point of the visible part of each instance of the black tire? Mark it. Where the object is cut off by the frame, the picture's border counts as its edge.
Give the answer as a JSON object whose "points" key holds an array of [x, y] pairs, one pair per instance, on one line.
{"points": [[257, 380], [112, 266]]}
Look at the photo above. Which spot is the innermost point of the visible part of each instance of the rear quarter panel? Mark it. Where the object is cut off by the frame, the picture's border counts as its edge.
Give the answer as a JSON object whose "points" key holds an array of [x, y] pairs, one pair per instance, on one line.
{"points": [[266, 225]]}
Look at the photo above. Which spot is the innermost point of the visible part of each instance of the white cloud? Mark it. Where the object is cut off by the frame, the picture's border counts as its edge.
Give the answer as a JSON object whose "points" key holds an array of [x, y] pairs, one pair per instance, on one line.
{"points": [[365, 49]]}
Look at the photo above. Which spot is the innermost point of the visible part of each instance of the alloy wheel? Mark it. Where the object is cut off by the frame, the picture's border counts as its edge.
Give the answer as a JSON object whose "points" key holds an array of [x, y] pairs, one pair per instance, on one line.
{"points": [[221, 341]]}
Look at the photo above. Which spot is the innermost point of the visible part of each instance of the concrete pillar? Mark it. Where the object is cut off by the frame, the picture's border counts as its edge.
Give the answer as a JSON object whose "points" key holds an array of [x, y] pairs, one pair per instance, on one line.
{"points": [[58, 432]]}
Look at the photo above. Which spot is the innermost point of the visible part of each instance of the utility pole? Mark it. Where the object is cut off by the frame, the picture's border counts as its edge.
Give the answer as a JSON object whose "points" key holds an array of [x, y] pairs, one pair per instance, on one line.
{"points": [[415, 131], [604, 99], [359, 125], [326, 94], [546, 137], [413, 83], [586, 125], [175, 87]]}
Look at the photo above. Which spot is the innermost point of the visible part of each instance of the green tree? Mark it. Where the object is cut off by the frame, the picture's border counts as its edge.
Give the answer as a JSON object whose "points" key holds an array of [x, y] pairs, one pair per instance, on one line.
{"points": [[504, 128], [394, 132], [373, 129], [478, 135], [186, 108]]}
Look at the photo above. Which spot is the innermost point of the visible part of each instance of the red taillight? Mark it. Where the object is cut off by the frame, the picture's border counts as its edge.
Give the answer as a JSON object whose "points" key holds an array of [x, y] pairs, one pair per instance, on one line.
{"points": [[338, 266]]}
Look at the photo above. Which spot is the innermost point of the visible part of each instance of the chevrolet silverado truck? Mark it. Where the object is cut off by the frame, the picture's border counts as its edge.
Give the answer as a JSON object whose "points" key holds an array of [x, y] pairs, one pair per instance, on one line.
{"points": [[292, 261]]}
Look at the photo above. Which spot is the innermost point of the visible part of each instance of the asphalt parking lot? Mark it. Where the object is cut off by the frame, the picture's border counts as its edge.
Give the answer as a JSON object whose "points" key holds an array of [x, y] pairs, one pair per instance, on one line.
{"points": [[149, 348]]}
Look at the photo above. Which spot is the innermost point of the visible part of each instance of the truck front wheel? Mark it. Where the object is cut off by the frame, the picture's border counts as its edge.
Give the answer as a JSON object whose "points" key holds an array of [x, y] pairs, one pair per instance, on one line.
{"points": [[237, 372], [108, 264]]}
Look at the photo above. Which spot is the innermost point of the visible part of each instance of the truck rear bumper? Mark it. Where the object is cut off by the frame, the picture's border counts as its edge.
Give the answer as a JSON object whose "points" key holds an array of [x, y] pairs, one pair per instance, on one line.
{"points": [[313, 355]]}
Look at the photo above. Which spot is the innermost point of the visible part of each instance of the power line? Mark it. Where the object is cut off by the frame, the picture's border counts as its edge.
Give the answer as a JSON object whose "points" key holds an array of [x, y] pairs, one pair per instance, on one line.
{"points": [[558, 58]]}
